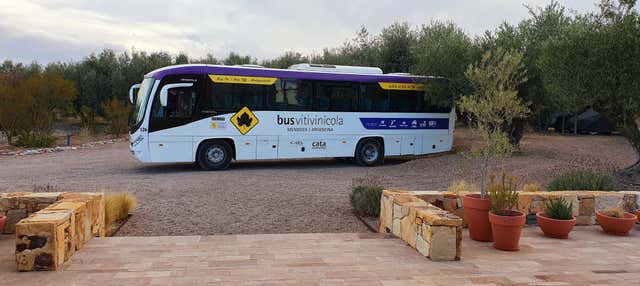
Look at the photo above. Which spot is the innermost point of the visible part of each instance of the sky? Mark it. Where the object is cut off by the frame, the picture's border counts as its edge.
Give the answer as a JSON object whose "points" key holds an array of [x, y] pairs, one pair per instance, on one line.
{"points": [[69, 30]]}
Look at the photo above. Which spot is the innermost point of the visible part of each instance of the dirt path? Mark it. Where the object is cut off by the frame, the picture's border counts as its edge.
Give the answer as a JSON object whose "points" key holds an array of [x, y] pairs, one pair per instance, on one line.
{"points": [[282, 196]]}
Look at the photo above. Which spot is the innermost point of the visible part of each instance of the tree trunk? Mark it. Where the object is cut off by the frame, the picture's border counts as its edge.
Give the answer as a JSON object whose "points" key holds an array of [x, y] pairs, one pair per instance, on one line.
{"points": [[575, 124], [632, 133]]}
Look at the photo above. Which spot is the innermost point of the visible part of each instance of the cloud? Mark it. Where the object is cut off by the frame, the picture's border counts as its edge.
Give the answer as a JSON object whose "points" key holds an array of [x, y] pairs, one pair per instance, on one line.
{"points": [[70, 29]]}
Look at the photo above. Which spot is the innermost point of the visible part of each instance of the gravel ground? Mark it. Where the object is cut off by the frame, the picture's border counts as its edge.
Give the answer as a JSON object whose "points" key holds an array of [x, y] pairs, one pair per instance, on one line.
{"points": [[281, 196]]}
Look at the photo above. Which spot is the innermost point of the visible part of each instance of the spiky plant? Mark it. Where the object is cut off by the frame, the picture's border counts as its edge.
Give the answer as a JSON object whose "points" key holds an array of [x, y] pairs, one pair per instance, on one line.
{"points": [[558, 208], [503, 194], [614, 212]]}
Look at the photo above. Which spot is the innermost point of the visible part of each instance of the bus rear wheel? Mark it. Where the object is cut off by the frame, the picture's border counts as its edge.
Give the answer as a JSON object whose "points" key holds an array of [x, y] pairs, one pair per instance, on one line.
{"points": [[369, 153], [214, 155]]}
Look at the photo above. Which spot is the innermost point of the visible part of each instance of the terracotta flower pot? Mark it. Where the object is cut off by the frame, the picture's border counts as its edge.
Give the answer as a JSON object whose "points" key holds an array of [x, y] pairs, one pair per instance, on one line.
{"points": [[507, 229], [476, 214], [614, 225], [556, 228], [3, 220]]}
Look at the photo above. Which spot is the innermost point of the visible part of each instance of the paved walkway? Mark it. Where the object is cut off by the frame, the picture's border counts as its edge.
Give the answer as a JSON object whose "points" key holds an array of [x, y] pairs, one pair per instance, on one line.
{"points": [[589, 257]]}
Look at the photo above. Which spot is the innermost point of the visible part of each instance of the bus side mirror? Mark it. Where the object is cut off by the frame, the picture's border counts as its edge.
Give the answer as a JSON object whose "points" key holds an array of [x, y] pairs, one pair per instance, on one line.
{"points": [[164, 92], [132, 92]]}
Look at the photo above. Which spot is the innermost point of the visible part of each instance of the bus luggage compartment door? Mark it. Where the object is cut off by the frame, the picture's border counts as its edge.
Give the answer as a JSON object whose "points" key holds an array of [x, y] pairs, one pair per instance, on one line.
{"points": [[267, 147]]}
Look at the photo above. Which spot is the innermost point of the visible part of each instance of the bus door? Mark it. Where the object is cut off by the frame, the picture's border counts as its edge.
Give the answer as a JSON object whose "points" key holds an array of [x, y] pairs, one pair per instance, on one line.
{"points": [[174, 106]]}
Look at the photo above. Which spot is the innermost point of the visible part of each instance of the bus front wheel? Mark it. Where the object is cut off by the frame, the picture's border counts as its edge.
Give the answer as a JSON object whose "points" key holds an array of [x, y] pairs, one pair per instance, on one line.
{"points": [[214, 155], [369, 152]]}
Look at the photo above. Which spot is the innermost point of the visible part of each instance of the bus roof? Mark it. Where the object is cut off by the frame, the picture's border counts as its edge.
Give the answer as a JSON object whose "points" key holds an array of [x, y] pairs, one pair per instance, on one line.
{"points": [[281, 73]]}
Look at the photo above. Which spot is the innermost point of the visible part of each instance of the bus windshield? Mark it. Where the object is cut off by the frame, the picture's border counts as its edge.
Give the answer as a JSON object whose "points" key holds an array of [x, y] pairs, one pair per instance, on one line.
{"points": [[141, 100]]}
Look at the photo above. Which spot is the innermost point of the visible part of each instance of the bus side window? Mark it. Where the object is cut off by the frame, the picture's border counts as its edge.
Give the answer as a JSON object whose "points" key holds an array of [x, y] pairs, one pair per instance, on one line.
{"points": [[404, 100], [298, 94], [373, 98], [335, 97], [276, 96]]}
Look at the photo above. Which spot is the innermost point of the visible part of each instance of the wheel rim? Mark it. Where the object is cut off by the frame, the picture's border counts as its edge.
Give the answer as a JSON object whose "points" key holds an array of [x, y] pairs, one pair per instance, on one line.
{"points": [[215, 154], [370, 153]]}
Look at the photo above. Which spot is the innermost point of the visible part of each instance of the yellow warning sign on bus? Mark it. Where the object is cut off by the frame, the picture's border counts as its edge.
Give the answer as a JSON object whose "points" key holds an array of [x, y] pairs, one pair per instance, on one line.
{"points": [[401, 86], [244, 120], [218, 78]]}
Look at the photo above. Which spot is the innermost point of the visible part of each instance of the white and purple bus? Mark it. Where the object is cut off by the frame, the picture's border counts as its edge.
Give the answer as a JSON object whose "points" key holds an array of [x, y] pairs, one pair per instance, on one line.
{"points": [[212, 115]]}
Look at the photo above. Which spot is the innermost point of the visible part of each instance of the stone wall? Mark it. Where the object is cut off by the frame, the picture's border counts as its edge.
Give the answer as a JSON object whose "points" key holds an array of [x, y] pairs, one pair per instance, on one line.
{"points": [[585, 203], [433, 232], [50, 227]]}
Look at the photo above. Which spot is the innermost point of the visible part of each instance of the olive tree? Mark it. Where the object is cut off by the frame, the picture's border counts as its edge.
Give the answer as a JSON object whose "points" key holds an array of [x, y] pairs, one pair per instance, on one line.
{"points": [[493, 104]]}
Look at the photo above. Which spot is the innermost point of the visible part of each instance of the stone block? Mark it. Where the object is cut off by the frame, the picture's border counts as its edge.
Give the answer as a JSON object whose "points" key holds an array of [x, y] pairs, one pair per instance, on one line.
{"points": [[585, 220], [537, 206], [95, 204], [395, 227], [13, 217], [409, 227], [82, 219], [386, 213], [33, 201], [422, 246], [435, 216], [44, 241], [587, 207], [524, 203], [607, 200], [629, 202], [443, 243], [449, 204]]}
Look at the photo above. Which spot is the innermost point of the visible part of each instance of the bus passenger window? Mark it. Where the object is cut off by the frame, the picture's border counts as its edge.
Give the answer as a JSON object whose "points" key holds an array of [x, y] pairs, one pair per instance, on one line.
{"points": [[404, 100], [297, 95], [373, 98]]}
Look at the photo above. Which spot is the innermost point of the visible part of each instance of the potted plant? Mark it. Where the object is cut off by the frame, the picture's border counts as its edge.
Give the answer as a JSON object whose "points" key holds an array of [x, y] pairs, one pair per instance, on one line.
{"points": [[506, 221], [476, 214], [616, 221], [558, 220]]}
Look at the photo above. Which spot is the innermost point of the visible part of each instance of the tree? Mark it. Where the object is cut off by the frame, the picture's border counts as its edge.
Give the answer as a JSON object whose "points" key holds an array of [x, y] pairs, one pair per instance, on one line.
{"points": [[493, 104], [237, 59], [565, 65], [397, 44], [285, 60], [443, 49], [117, 115]]}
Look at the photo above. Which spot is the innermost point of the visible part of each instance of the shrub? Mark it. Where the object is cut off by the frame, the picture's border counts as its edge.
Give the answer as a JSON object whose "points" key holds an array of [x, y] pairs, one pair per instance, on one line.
{"points": [[35, 140], [117, 206], [614, 212], [118, 116], [531, 188], [583, 181], [462, 187], [558, 208], [365, 195], [503, 194]]}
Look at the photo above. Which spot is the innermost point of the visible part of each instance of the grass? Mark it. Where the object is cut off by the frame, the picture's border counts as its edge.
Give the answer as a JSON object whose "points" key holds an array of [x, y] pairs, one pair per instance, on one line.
{"points": [[583, 181], [365, 195], [117, 206]]}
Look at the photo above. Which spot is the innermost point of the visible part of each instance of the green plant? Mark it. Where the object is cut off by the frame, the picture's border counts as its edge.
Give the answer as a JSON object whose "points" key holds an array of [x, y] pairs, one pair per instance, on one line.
{"points": [[616, 212], [35, 140], [117, 206], [365, 195], [558, 208], [494, 105], [583, 181], [503, 194]]}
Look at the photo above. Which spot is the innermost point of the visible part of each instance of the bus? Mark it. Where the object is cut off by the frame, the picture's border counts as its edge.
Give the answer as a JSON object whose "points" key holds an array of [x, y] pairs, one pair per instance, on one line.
{"points": [[211, 115]]}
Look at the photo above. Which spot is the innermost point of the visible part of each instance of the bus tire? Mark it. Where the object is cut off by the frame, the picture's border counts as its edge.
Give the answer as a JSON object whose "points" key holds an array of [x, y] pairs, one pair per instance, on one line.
{"points": [[214, 155], [369, 152]]}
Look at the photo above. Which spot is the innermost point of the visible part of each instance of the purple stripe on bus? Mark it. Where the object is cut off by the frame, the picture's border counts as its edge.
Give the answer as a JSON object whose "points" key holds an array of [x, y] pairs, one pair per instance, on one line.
{"points": [[279, 73]]}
